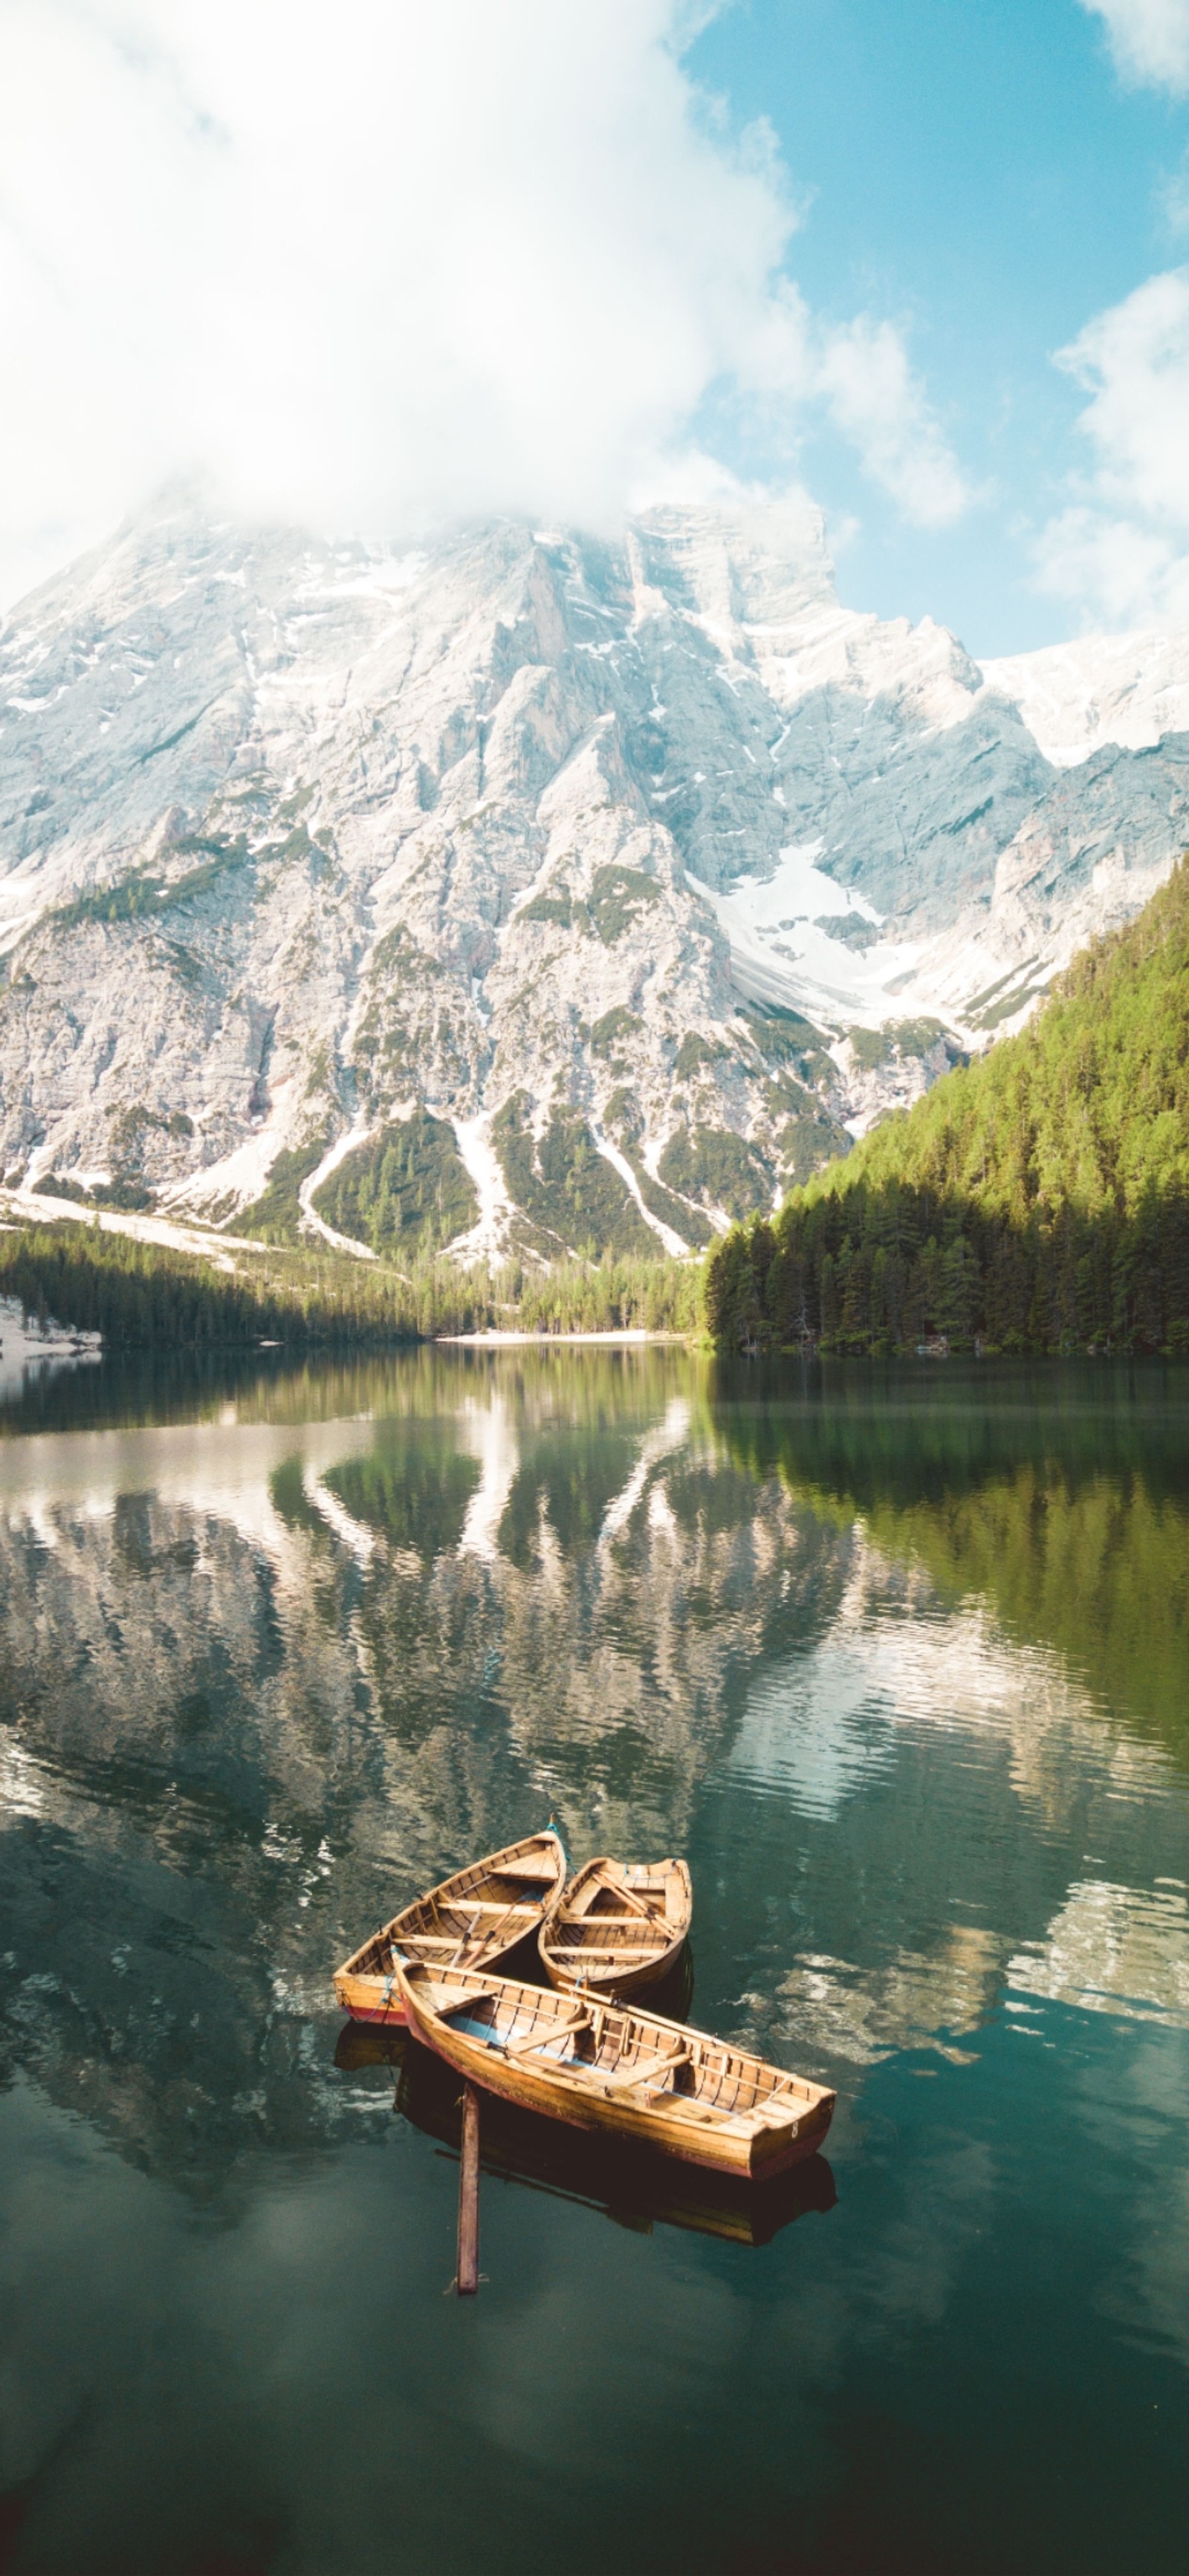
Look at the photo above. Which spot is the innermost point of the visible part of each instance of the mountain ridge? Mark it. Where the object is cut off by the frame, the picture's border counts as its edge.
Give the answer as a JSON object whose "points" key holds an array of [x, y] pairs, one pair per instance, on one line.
{"points": [[527, 890]]}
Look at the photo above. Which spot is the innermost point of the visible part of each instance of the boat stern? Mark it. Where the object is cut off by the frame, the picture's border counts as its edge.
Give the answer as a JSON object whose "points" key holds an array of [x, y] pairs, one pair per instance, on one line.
{"points": [[779, 2144], [370, 1998]]}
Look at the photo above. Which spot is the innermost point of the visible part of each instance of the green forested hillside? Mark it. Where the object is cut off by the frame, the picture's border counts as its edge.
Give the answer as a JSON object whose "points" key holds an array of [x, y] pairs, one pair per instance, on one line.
{"points": [[141, 1294], [1036, 1200], [404, 1192]]}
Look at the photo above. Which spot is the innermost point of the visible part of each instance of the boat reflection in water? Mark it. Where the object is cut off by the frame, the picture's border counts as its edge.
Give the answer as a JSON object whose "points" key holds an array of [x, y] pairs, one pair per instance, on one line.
{"points": [[632, 2185]]}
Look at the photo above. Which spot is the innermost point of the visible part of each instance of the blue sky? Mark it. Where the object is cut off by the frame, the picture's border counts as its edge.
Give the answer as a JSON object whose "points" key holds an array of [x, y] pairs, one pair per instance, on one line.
{"points": [[979, 171], [367, 269]]}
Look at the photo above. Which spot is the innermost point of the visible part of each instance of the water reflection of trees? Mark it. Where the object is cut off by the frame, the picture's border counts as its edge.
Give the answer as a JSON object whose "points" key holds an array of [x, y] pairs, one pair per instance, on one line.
{"points": [[1058, 1496]]}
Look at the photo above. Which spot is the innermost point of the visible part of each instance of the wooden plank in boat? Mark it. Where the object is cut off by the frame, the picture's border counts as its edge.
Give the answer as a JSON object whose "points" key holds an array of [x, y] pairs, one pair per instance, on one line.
{"points": [[626, 2076]]}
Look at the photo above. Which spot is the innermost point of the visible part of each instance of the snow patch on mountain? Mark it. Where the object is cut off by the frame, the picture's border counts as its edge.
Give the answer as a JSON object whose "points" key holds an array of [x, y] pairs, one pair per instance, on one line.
{"points": [[667, 1236], [1129, 690], [783, 934], [238, 1177], [360, 1133], [490, 1237]]}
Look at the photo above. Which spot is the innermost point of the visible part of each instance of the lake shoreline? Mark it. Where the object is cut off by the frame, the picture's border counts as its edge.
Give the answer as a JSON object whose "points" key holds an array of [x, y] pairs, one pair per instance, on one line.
{"points": [[496, 1339]]}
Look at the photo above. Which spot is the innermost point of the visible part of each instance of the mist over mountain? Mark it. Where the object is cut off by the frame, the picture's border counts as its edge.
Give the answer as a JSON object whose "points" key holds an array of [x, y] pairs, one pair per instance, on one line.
{"points": [[524, 889]]}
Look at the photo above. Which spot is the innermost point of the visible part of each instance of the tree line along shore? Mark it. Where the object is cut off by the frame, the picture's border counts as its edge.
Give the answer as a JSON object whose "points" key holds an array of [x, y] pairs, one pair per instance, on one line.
{"points": [[1036, 1201], [138, 1294]]}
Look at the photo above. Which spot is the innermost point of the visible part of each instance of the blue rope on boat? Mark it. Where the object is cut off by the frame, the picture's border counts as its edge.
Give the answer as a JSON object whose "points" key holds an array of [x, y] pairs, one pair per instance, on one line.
{"points": [[483, 2030], [555, 1828]]}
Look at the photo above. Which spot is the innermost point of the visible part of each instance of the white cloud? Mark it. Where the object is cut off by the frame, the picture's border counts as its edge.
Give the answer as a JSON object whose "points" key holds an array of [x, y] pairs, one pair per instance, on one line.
{"points": [[1134, 360], [377, 263], [879, 405], [1121, 548], [1173, 200], [1149, 39]]}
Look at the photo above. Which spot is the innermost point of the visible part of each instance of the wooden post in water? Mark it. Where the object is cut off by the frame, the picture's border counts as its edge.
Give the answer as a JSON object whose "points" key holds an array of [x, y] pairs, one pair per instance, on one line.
{"points": [[468, 2196]]}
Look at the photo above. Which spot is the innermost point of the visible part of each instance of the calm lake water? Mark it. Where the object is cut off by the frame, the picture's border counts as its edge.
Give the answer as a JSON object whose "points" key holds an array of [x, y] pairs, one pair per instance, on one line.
{"points": [[900, 1661]]}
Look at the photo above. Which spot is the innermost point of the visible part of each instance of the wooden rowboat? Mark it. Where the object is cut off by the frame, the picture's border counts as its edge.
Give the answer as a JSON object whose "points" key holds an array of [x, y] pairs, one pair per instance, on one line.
{"points": [[620, 1926], [606, 2066], [479, 1918], [625, 2183]]}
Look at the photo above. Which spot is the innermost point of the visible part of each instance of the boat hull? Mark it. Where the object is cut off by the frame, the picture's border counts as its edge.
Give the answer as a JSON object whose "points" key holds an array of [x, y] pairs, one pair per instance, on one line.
{"points": [[357, 1996], [379, 1999], [750, 2158], [627, 2184], [576, 1971], [632, 1981]]}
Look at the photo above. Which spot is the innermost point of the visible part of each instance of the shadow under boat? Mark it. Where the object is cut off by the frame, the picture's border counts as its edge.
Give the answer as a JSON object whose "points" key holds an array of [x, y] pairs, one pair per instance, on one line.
{"points": [[631, 2185]]}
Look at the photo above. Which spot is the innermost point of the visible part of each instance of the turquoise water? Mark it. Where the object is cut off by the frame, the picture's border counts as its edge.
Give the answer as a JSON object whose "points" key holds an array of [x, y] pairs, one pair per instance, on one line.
{"points": [[899, 1659]]}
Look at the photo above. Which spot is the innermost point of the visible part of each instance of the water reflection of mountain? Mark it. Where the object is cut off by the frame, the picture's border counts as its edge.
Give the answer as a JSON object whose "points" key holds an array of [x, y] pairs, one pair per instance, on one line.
{"points": [[269, 1669], [262, 1679], [1122, 1950], [903, 1808]]}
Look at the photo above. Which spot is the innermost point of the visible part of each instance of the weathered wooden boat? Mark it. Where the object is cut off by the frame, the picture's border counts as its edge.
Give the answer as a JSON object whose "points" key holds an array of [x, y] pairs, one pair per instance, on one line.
{"points": [[620, 1926], [482, 1917], [609, 2067], [628, 2184]]}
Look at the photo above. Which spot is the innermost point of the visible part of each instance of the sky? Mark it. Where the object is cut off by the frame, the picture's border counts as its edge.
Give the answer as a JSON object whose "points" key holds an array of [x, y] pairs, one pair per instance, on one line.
{"points": [[376, 265]]}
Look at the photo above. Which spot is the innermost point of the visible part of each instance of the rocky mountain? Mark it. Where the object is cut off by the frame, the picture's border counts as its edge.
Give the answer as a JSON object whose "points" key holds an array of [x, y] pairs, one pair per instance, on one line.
{"points": [[527, 889]]}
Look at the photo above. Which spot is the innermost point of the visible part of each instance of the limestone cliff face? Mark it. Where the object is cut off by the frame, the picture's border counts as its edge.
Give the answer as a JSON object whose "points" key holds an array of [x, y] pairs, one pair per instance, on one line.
{"points": [[528, 888]]}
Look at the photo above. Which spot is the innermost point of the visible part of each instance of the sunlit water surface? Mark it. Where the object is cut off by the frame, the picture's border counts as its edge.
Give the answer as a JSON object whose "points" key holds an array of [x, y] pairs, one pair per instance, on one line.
{"points": [[900, 1661]]}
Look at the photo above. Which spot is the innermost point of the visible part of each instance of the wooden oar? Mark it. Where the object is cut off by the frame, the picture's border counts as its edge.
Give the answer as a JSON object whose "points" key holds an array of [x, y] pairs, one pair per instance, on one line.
{"points": [[467, 2276], [491, 1939], [629, 1898]]}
